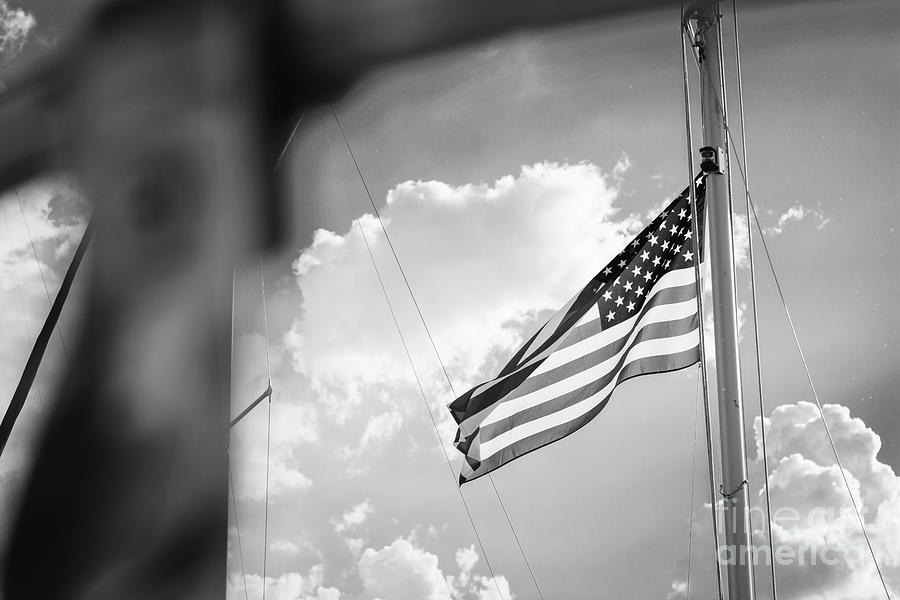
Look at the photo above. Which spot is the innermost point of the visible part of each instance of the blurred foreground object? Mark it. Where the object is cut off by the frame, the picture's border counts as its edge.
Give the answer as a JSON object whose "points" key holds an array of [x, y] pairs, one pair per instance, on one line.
{"points": [[172, 113]]}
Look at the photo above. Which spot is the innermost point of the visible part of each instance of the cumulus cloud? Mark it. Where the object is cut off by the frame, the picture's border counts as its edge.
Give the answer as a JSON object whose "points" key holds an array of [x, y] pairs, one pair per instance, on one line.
{"points": [[819, 547], [290, 586], [403, 571], [796, 429], [486, 262], [814, 516], [15, 26]]}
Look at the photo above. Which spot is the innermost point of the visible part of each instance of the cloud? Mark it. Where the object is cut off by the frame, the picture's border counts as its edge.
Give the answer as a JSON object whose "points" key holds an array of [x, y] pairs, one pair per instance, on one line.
{"points": [[796, 429], [15, 26], [796, 213], [814, 517], [820, 550], [355, 517], [679, 590], [289, 586], [486, 262], [285, 546], [380, 427], [403, 571], [465, 560]]}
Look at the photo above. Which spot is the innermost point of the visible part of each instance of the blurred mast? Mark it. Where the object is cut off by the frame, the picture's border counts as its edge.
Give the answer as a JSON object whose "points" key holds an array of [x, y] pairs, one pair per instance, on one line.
{"points": [[40, 344]]}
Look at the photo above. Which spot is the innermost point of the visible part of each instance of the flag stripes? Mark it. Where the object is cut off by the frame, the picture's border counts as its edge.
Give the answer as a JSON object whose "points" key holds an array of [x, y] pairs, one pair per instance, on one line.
{"points": [[658, 364], [563, 391], [566, 373]]}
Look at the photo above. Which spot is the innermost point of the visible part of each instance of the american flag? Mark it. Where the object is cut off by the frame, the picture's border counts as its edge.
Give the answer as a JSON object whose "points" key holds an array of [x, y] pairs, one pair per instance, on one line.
{"points": [[635, 317]]}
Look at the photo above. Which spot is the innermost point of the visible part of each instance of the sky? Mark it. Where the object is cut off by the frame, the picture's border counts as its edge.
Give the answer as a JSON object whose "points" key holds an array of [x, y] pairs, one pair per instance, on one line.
{"points": [[506, 174]]}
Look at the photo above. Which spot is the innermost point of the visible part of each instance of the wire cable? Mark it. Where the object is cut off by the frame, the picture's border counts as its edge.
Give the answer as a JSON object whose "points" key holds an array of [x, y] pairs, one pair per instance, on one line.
{"points": [[430, 338], [266, 517], [815, 394], [693, 477], [265, 311], [237, 526], [269, 391], [22, 311], [754, 300], [704, 377], [40, 268], [262, 285], [228, 451], [412, 365], [288, 143], [516, 536]]}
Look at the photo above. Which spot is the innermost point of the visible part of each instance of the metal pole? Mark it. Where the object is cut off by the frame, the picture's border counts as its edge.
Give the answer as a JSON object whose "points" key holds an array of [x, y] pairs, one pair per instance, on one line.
{"points": [[737, 554]]}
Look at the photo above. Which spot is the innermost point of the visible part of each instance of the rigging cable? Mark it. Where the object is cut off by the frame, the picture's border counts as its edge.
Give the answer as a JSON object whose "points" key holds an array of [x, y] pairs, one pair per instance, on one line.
{"points": [[411, 364], [22, 310], [753, 296], [269, 392], [698, 273], [693, 477], [818, 402], [262, 285], [837, 459], [431, 340], [40, 268], [237, 526], [288, 143]]}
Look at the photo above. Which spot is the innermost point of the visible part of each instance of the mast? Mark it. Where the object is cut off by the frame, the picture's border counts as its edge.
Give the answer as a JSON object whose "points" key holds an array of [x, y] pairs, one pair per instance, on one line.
{"points": [[736, 557]]}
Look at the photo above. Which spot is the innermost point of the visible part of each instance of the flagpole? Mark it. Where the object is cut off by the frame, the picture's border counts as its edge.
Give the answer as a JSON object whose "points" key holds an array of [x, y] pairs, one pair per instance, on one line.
{"points": [[737, 554]]}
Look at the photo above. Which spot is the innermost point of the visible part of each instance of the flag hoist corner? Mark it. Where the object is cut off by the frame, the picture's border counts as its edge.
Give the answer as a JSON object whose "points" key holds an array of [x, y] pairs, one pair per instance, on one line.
{"points": [[635, 317]]}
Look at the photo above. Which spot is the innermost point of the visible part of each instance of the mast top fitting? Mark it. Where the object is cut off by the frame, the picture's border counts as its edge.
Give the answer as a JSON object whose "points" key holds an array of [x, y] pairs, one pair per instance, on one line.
{"points": [[711, 159]]}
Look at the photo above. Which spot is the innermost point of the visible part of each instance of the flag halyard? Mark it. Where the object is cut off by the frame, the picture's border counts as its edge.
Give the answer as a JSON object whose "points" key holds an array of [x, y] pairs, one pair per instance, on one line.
{"points": [[637, 316]]}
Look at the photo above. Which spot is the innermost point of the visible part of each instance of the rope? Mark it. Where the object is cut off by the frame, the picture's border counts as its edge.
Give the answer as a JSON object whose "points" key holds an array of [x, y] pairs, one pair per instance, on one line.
{"points": [[837, 459], [431, 339], [754, 301], [704, 377], [412, 367], [40, 268]]}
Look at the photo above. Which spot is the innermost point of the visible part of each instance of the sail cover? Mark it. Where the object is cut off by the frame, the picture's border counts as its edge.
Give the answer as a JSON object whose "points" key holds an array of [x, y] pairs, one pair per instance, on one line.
{"points": [[635, 317]]}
